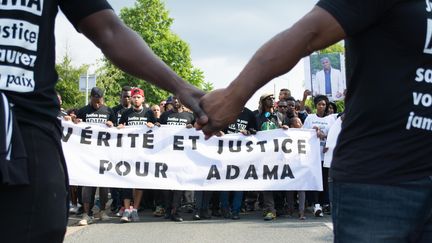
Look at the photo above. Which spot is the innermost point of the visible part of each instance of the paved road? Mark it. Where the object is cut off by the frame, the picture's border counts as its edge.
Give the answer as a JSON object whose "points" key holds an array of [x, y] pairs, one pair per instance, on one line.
{"points": [[250, 228]]}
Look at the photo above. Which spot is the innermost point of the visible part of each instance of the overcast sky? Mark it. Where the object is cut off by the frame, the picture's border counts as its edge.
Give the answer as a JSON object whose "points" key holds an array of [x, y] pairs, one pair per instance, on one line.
{"points": [[222, 34]]}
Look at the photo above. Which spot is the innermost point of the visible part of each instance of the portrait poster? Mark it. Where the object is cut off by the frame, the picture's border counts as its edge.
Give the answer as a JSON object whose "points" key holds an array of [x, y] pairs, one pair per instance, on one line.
{"points": [[325, 75]]}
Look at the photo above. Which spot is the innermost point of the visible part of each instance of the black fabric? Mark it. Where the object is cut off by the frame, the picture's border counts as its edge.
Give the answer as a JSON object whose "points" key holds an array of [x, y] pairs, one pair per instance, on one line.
{"points": [[177, 118], [261, 118], [13, 156], [29, 77], [245, 121], [118, 112], [100, 116], [37, 212], [132, 117], [385, 135]]}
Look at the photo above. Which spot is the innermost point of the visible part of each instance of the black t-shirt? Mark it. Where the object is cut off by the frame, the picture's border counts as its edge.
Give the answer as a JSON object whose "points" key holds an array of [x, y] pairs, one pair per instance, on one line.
{"points": [[118, 112], [386, 133], [132, 117], [100, 116], [246, 121], [177, 118], [27, 54]]}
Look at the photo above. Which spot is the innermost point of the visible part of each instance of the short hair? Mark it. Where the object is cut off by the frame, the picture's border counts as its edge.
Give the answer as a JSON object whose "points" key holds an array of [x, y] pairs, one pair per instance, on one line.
{"points": [[290, 98], [126, 88], [325, 58], [284, 89]]}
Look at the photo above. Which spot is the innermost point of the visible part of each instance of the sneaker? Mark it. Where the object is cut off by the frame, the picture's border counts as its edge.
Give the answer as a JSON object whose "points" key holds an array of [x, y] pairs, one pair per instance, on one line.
{"points": [[226, 213], [103, 216], [235, 216], [159, 212], [86, 220], [126, 217], [176, 217], [269, 216], [120, 212], [196, 216], [204, 214], [318, 210], [134, 215], [74, 209], [327, 209]]}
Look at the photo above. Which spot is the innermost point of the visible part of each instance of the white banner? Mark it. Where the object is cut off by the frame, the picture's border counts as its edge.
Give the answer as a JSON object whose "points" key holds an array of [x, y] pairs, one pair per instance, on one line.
{"points": [[177, 158]]}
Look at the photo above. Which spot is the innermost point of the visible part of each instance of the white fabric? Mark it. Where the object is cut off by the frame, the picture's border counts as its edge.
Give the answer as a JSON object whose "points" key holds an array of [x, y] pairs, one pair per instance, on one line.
{"points": [[86, 148], [337, 84], [332, 137]]}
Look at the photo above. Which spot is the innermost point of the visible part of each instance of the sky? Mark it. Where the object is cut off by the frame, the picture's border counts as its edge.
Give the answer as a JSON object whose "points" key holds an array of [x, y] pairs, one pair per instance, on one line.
{"points": [[223, 35]]}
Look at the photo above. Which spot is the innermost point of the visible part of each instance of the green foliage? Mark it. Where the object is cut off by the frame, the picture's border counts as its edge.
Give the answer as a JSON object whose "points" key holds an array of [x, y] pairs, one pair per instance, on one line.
{"points": [[336, 48], [151, 20], [68, 85]]}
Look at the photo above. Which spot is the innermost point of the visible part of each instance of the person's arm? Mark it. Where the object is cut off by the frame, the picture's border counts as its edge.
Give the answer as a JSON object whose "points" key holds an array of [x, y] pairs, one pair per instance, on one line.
{"points": [[128, 51], [316, 30]]}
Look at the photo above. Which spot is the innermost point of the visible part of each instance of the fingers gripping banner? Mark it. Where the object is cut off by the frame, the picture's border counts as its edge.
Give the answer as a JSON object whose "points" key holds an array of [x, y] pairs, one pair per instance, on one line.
{"points": [[177, 158]]}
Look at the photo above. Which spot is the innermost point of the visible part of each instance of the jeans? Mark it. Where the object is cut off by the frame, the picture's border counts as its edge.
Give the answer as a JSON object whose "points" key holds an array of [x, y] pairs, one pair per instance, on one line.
{"points": [[382, 213], [236, 200]]}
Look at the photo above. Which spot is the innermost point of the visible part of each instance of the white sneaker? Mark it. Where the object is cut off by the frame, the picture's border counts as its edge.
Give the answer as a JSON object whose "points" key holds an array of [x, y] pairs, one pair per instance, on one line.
{"points": [[318, 210], [126, 216], [73, 209], [86, 220], [103, 216]]}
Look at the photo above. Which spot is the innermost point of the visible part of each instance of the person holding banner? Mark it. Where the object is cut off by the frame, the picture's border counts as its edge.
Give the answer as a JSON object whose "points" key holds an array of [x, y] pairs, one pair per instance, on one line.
{"points": [[246, 124], [381, 169], [137, 115], [178, 117], [94, 113]]}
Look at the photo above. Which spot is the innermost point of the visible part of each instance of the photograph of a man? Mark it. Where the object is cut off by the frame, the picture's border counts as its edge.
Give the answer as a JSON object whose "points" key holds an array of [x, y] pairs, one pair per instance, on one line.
{"points": [[329, 81]]}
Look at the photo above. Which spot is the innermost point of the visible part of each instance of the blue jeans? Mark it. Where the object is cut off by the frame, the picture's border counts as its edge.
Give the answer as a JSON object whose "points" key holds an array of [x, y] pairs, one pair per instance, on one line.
{"points": [[236, 201], [382, 213]]}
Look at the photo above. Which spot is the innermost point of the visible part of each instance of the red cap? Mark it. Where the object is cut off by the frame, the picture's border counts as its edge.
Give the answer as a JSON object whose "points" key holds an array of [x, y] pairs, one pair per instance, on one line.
{"points": [[137, 91]]}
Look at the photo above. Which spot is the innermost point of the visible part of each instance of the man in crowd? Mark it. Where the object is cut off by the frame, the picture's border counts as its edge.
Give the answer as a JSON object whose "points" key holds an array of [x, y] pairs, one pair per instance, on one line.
{"points": [[94, 113], [137, 115], [125, 103], [381, 165], [176, 117], [35, 105]]}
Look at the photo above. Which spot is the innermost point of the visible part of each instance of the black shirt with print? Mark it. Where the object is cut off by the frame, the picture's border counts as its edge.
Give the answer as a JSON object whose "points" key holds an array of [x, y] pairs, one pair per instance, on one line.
{"points": [[177, 118], [387, 130], [27, 54], [246, 121], [131, 117], [89, 114]]}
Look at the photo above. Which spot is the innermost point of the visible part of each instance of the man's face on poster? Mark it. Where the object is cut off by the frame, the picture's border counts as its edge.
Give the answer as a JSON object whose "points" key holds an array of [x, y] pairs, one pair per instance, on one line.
{"points": [[326, 64]]}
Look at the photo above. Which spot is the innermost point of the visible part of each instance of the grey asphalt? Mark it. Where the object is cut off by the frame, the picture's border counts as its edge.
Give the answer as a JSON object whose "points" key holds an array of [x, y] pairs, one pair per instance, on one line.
{"points": [[250, 228]]}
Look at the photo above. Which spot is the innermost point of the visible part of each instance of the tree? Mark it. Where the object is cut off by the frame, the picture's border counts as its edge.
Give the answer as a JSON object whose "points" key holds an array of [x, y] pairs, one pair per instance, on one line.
{"points": [[68, 85], [151, 20]]}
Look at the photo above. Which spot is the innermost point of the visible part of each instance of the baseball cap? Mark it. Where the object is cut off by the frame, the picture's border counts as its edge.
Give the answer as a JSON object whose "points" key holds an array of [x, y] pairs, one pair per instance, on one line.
{"points": [[137, 91], [96, 92]]}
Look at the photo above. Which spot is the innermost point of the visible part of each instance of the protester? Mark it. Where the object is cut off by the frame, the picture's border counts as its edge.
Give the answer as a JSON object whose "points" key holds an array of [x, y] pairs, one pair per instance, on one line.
{"points": [[137, 115], [176, 117], [125, 103], [94, 113], [35, 105], [381, 156]]}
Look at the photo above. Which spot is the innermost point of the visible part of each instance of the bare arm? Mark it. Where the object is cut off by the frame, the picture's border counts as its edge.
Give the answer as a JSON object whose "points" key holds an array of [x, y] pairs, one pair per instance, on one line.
{"points": [[315, 31], [128, 51]]}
